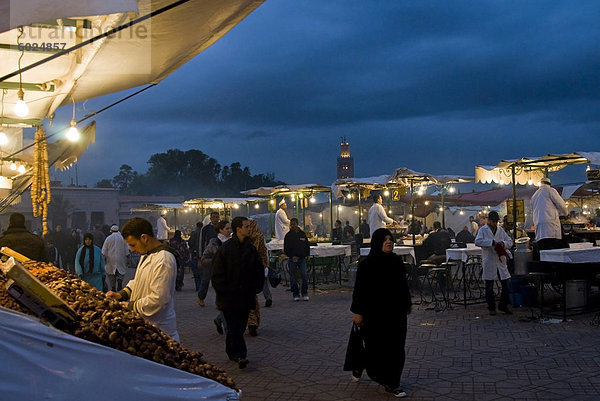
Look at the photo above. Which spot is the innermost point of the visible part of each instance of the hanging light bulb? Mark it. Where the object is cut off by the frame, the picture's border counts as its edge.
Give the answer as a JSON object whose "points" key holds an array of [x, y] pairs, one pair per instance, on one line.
{"points": [[73, 133], [451, 190], [236, 206], [386, 193], [3, 138], [313, 199], [501, 182], [441, 209], [461, 212], [13, 166], [21, 169], [21, 108], [530, 182], [426, 203], [349, 196]]}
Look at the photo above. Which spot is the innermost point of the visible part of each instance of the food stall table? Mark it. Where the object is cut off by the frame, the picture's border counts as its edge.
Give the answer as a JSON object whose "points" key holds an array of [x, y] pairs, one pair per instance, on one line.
{"points": [[403, 251], [571, 263], [321, 250]]}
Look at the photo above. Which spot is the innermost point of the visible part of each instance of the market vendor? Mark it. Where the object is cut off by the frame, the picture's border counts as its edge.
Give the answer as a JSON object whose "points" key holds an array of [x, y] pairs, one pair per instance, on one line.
{"points": [[151, 292], [377, 216], [547, 206]]}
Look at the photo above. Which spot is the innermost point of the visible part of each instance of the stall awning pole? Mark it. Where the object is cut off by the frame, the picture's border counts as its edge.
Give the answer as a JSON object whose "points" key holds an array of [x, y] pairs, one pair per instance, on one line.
{"points": [[443, 209], [412, 213], [271, 220], [330, 216], [359, 209], [514, 212]]}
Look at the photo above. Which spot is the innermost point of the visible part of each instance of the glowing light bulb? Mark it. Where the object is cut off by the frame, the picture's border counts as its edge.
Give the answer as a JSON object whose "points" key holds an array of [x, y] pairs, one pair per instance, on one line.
{"points": [[530, 182], [386, 193], [21, 108], [501, 182], [441, 209], [313, 199], [301, 195], [236, 206], [426, 203], [21, 169], [3, 138], [349, 196], [73, 132], [256, 206], [13, 166], [451, 190], [339, 208], [272, 201], [461, 212]]}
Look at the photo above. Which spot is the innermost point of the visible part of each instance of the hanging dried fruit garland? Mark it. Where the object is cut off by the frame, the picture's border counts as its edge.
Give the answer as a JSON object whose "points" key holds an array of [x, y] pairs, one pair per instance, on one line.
{"points": [[40, 188]]}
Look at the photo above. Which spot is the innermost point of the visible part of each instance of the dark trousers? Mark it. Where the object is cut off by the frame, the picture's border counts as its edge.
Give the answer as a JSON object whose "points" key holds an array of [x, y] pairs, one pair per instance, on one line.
{"points": [[491, 299], [235, 346]]}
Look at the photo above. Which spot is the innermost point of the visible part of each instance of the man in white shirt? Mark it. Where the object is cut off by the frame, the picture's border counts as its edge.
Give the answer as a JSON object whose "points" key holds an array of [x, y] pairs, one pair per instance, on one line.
{"points": [[547, 206], [162, 229], [115, 252], [377, 216], [151, 292], [282, 222], [473, 226]]}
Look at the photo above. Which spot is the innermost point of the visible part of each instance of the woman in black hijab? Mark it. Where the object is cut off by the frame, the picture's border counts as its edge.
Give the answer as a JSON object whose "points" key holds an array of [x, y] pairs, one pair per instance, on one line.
{"points": [[380, 303]]}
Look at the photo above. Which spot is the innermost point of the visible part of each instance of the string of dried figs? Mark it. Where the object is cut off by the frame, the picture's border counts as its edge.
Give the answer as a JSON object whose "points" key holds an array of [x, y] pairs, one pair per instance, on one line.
{"points": [[105, 321]]}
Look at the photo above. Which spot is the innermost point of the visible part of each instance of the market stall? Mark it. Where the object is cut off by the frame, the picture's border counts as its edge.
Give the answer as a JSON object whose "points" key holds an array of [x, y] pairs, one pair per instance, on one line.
{"points": [[302, 195]]}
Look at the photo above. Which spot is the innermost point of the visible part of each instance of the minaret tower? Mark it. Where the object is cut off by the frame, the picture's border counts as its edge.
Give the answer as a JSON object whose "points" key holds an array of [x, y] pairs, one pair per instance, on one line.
{"points": [[345, 162]]}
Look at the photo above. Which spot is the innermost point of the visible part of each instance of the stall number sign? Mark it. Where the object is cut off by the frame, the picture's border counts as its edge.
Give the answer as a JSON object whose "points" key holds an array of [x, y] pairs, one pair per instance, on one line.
{"points": [[397, 193], [520, 210], [593, 175]]}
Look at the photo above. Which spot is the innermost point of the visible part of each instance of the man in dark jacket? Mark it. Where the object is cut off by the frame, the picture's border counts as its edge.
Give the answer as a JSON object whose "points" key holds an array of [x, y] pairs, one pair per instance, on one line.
{"points": [[297, 249], [19, 239], [194, 241], [238, 275], [208, 231], [436, 244]]}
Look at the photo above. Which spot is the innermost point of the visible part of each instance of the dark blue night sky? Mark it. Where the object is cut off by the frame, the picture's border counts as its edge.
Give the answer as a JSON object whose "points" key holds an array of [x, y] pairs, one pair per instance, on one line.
{"points": [[436, 86]]}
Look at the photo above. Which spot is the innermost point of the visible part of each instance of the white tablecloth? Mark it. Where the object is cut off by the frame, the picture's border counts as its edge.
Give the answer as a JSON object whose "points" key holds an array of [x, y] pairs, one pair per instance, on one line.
{"points": [[462, 254], [588, 255], [398, 250], [319, 251]]}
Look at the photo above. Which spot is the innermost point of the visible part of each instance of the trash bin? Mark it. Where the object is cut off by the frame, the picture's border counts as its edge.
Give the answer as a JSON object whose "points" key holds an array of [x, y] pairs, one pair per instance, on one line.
{"points": [[576, 293]]}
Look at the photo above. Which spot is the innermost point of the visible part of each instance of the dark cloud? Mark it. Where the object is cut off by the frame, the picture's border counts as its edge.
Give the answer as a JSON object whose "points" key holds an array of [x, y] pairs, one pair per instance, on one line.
{"points": [[432, 85]]}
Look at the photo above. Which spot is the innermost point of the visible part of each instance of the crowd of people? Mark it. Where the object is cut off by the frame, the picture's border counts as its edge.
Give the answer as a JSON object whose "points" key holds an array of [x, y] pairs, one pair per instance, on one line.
{"points": [[233, 257]]}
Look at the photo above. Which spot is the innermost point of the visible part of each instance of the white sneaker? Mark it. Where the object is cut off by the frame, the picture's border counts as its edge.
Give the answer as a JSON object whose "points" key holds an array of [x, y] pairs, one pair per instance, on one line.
{"points": [[305, 297], [296, 299]]}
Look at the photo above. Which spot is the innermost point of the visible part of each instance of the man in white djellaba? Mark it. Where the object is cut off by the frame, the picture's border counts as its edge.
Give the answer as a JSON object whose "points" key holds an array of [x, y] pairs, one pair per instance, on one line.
{"points": [[115, 252], [282, 222], [547, 207], [377, 216]]}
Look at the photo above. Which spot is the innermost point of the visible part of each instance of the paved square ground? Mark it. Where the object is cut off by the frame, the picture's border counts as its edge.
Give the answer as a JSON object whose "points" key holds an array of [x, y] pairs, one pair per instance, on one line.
{"points": [[456, 354]]}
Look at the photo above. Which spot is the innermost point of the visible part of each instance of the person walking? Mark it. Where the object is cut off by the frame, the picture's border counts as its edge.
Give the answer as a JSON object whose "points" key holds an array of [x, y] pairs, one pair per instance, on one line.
{"points": [[182, 255], [297, 249], [238, 275], [259, 243], [89, 264], [223, 228], [494, 243], [381, 302], [209, 232], [115, 252]]}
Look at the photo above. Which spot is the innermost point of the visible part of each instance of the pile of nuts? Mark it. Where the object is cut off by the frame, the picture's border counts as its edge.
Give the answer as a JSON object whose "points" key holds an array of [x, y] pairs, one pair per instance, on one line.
{"points": [[105, 321]]}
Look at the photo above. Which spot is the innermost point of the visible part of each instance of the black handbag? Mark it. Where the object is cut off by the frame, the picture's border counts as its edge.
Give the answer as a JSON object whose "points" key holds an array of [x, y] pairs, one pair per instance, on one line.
{"points": [[356, 352], [274, 277]]}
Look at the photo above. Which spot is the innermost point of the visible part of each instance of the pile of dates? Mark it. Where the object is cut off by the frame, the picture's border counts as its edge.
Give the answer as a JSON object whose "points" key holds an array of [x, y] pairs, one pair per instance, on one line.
{"points": [[105, 321]]}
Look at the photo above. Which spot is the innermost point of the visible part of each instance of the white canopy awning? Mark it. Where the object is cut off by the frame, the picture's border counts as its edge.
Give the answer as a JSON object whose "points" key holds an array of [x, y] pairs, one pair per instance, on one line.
{"points": [[142, 54], [531, 169]]}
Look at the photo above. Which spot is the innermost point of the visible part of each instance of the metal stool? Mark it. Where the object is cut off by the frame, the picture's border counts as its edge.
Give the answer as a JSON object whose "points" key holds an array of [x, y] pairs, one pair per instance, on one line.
{"points": [[422, 279], [540, 281]]}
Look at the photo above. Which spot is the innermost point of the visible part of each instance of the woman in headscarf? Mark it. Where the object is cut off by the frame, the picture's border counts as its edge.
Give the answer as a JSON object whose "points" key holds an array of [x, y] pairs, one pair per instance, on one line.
{"points": [[89, 263], [258, 240], [380, 303], [183, 257]]}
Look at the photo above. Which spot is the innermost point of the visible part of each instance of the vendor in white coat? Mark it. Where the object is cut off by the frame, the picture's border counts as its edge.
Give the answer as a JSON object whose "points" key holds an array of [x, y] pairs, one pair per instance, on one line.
{"points": [[377, 216], [495, 244], [547, 206], [282, 222]]}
